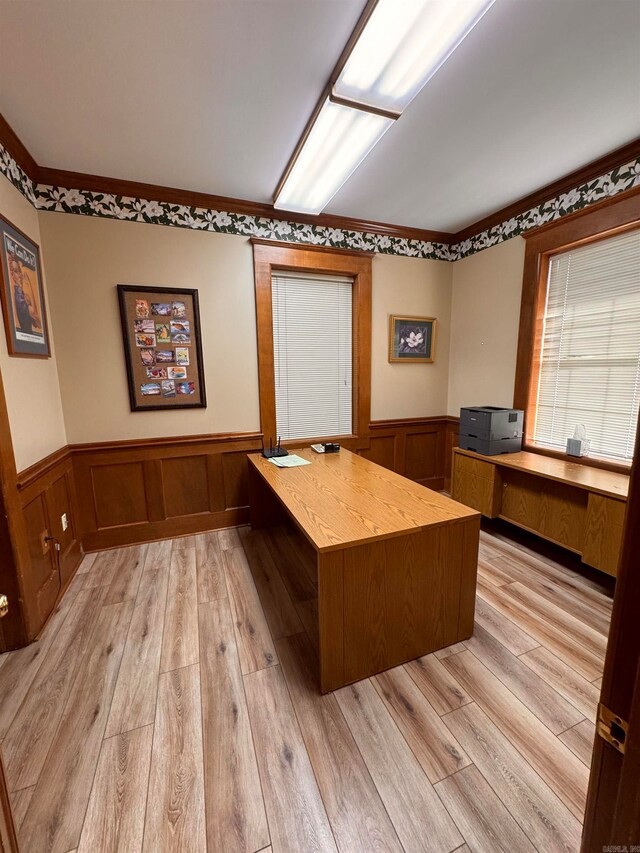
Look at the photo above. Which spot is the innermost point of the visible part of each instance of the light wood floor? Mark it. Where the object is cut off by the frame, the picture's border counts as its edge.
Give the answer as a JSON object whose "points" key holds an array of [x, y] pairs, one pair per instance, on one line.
{"points": [[171, 706]]}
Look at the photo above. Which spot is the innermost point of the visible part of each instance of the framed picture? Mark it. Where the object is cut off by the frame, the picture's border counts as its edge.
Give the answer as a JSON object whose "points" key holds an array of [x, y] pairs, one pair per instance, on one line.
{"points": [[163, 347], [412, 339], [21, 294]]}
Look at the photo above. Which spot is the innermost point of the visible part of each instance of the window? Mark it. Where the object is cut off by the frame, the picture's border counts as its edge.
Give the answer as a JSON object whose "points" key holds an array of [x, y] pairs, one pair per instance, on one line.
{"points": [[313, 353], [589, 362], [313, 316]]}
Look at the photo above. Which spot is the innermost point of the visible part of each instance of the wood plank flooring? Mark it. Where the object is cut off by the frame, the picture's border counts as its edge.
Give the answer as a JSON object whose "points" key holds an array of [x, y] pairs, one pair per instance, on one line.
{"points": [[172, 705]]}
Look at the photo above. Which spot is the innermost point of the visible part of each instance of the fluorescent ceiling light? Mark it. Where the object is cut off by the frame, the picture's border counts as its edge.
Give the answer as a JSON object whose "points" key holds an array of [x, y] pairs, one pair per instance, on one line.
{"points": [[401, 47], [339, 140]]}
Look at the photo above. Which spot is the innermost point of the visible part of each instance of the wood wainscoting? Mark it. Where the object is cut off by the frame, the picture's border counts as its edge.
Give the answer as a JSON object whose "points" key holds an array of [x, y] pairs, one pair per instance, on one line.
{"points": [[137, 491], [47, 492], [126, 492], [451, 440], [417, 448]]}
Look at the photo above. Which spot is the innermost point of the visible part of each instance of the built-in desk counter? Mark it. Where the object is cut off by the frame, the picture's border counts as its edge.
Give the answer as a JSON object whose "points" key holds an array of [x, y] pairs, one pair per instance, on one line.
{"points": [[577, 506]]}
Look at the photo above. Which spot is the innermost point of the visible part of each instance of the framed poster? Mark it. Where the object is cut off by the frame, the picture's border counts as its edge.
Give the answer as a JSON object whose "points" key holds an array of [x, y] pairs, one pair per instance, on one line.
{"points": [[21, 294], [163, 347], [412, 339]]}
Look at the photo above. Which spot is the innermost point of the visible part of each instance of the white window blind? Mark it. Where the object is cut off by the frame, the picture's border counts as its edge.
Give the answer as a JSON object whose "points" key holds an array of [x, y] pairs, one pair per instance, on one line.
{"points": [[590, 368], [313, 353]]}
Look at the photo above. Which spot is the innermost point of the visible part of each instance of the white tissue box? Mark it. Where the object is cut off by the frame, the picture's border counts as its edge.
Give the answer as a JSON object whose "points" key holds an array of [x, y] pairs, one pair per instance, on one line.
{"points": [[574, 447]]}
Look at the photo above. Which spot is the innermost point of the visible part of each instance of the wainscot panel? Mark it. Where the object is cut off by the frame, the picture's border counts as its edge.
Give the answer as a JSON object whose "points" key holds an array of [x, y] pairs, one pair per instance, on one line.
{"points": [[413, 447], [450, 441], [137, 491]]}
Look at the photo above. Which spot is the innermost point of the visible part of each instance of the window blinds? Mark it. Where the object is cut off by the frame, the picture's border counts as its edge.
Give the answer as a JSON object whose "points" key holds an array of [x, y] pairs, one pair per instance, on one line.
{"points": [[313, 352], [590, 368]]}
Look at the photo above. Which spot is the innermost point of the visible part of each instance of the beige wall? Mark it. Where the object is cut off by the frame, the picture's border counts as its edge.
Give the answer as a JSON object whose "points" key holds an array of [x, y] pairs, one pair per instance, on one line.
{"points": [[418, 288], [30, 384], [476, 302], [86, 259], [484, 326]]}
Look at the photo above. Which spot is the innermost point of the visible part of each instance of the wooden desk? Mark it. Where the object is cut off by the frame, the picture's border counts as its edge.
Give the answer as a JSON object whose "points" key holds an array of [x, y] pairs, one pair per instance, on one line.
{"points": [[397, 562], [576, 506]]}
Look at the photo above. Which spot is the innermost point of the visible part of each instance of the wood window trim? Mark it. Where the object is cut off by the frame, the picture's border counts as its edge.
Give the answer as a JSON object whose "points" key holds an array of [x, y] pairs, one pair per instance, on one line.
{"points": [[606, 219], [269, 256]]}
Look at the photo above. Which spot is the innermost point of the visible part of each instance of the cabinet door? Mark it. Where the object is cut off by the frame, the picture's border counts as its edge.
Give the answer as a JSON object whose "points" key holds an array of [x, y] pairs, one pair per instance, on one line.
{"points": [[555, 511], [476, 483], [44, 581], [603, 535]]}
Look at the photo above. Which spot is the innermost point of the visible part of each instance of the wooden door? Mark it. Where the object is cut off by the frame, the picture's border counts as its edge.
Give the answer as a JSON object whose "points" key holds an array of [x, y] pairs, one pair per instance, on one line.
{"points": [[612, 817], [13, 541]]}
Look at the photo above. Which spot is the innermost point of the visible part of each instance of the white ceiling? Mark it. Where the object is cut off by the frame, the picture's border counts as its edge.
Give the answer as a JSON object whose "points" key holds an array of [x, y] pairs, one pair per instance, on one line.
{"points": [[212, 95]]}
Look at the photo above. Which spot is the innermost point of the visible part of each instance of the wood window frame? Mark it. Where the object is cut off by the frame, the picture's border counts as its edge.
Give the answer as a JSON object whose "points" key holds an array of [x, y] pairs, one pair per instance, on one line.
{"points": [[607, 219], [270, 257]]}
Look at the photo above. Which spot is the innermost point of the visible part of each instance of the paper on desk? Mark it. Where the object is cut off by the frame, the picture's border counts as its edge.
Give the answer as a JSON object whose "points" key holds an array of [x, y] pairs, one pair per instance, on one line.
{"points": [[290, 461]]}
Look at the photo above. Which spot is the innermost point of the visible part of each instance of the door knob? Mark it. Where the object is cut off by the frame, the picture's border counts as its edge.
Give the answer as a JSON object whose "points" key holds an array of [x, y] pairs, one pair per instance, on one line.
{"points": [[4, 605]]}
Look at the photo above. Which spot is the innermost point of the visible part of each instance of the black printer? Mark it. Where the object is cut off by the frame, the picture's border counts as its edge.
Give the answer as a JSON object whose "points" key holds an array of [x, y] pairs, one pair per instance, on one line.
{"points": [[491, 430]]}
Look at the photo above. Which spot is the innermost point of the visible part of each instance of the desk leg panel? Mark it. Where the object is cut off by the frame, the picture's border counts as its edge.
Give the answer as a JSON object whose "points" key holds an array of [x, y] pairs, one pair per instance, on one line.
{"points": [[265, 509], [331, 619], [402, 598], [470, 535]]}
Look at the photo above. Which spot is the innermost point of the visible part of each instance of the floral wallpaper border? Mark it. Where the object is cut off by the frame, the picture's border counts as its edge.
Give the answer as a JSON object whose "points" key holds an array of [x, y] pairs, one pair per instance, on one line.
{"points": [[87, 203], [618, 180], [204, 219], [18, 177]]}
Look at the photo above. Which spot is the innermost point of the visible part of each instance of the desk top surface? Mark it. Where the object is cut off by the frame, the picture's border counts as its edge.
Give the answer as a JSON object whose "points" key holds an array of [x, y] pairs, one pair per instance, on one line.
{"points": [[342, 499], [608, 483]]}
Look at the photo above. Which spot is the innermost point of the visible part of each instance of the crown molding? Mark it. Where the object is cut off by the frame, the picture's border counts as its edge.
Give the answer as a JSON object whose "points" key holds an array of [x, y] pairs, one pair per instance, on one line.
{"points": [[96, 195], [14, 145], [278, 244], [594, 169], [136, 189], [622, 202], [189, 198]]}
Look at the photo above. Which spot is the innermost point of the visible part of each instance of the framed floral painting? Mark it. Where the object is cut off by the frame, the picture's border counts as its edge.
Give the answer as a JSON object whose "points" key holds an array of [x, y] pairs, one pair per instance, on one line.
{"points": [[412, 339], [163, 347]]}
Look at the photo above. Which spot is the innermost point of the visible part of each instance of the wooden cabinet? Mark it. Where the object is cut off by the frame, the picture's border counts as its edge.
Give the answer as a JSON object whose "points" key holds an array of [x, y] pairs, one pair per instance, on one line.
{"points": [[551, 509], [476, 483], [603, 539], [573, 505]]}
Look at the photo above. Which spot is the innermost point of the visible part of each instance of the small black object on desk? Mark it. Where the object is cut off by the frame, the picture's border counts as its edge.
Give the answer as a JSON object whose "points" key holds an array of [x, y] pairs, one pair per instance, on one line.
{"points": [[278, 450], [331, 446]]}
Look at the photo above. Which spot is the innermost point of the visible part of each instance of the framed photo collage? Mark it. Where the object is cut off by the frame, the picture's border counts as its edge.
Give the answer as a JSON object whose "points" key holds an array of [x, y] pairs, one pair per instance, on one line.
{"points": [[163, 347]]}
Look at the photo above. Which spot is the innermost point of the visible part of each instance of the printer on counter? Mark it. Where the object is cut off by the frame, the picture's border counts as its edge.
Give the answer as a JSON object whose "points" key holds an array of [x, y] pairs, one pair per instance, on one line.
{"points": [[490, 430]]}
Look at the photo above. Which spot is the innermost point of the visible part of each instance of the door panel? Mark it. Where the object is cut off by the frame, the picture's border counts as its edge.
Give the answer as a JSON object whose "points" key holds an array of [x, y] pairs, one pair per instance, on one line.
{"points": [[45, 578], [613, 804], [8, 840]]}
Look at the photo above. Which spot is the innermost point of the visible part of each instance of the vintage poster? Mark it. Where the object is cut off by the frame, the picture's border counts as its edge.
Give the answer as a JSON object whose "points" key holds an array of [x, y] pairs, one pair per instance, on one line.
{"points": [[22, 294]]}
